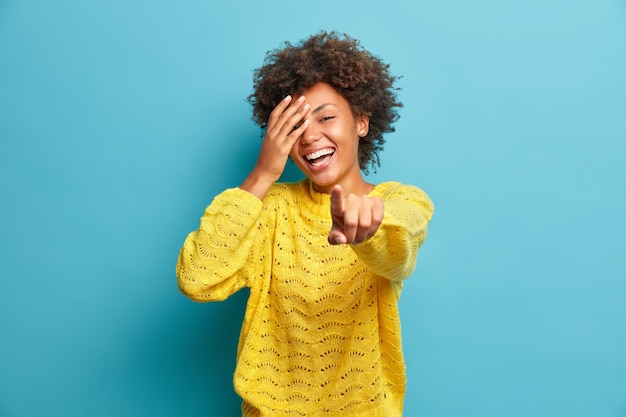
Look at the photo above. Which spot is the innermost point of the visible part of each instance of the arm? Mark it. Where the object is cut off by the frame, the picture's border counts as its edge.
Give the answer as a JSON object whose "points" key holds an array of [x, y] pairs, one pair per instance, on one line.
{"points": [[391, 251], [211, 261]]}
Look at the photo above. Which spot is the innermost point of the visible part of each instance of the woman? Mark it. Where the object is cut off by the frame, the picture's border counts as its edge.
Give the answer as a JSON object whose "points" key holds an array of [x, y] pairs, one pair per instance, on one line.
{"points": [[324, 257]]}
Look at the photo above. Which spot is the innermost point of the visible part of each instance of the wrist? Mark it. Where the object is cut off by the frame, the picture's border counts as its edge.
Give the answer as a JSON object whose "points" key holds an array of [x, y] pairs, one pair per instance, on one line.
{"points": [[258, 184]]}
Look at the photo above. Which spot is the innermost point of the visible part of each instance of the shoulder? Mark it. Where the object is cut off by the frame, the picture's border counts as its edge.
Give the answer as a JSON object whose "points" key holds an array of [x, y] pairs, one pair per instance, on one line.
{"points": [[285, 193], [284, 190], [395, 191]]}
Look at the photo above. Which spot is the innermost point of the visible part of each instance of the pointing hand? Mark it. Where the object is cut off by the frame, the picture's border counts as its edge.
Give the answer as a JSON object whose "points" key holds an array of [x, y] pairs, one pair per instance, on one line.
{"points": [[355, 217]]}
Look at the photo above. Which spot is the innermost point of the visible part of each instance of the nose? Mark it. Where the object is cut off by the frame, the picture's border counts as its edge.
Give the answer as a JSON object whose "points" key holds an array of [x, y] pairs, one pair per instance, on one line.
{"points": [[310, 135]]}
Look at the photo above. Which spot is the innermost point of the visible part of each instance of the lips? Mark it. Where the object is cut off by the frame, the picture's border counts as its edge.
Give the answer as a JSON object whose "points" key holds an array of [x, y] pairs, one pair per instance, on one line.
{"points": [[319, 157]]}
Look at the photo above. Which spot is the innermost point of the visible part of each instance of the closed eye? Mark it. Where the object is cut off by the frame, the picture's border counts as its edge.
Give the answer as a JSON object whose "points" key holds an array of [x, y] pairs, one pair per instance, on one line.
{"points": [[327, 118]]}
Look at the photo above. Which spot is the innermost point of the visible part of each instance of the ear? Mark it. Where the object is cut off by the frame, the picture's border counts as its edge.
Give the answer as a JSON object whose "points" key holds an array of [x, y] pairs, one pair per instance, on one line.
{"points": [[363, 125]]}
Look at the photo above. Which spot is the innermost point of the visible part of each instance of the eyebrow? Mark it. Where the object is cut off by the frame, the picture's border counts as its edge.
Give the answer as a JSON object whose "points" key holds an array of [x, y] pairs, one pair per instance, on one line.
{"points": [[322, 107]]}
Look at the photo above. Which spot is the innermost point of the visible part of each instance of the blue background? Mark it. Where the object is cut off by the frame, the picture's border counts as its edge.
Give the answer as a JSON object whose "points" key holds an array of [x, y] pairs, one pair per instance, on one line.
{"points": [[120, 120]]}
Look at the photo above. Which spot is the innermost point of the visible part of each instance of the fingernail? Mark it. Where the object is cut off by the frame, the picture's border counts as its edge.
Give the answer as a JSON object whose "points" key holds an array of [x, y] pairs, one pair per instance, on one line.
{"points": [[288, 98], [300, 99]]}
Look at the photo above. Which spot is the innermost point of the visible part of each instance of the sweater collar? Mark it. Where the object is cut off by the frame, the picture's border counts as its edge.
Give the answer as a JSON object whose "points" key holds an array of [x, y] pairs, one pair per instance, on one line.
{"points": [[319, 203], [316, 202]]}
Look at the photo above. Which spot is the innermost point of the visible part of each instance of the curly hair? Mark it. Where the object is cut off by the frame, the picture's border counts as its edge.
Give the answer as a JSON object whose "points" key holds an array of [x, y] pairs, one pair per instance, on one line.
{"points": [[340, 61]]}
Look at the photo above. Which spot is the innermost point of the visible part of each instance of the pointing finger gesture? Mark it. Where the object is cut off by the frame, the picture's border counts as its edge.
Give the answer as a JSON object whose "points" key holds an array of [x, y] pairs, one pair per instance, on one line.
{"points": [[355, 217]]}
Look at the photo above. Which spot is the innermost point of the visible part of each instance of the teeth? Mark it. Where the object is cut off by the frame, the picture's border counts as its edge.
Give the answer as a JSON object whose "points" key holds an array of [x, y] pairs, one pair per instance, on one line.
{"points": [[319, 154]]}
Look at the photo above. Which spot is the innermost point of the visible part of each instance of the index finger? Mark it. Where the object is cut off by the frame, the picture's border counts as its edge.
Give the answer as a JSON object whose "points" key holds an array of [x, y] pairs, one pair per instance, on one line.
{"points": [[336, 200]]}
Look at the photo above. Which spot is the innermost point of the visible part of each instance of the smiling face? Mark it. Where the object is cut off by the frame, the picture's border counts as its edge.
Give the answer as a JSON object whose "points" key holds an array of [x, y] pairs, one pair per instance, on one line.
{"points": [[328, 151]]}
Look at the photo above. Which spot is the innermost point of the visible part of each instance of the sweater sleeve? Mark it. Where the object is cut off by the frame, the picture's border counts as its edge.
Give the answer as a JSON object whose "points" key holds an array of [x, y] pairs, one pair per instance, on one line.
{"points": [[211, 261], [392, 251]]}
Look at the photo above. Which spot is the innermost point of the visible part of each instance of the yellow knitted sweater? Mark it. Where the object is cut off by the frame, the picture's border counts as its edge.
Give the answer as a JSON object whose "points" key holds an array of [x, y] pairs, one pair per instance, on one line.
{"points": [[321, 333]]}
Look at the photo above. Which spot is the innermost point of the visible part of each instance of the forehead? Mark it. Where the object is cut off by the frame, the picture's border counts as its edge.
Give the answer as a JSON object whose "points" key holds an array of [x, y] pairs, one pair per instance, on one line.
{"points": [[322, 94]]}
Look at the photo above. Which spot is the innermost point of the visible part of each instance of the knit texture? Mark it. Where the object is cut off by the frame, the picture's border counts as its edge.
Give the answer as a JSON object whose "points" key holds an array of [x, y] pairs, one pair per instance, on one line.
{"points": [[321, 332]]}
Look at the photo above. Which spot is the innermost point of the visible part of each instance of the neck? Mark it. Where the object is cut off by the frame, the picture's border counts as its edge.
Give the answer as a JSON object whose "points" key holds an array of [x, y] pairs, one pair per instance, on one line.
{"points": [[358, 186]]}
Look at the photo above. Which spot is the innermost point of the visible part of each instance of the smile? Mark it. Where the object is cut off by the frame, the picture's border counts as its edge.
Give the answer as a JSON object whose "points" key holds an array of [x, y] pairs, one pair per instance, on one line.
{"points": [[320, 157]]}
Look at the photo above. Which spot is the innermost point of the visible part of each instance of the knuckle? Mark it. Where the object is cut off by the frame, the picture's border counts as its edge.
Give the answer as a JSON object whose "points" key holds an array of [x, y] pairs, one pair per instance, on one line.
{"points": [[350, 223]]}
